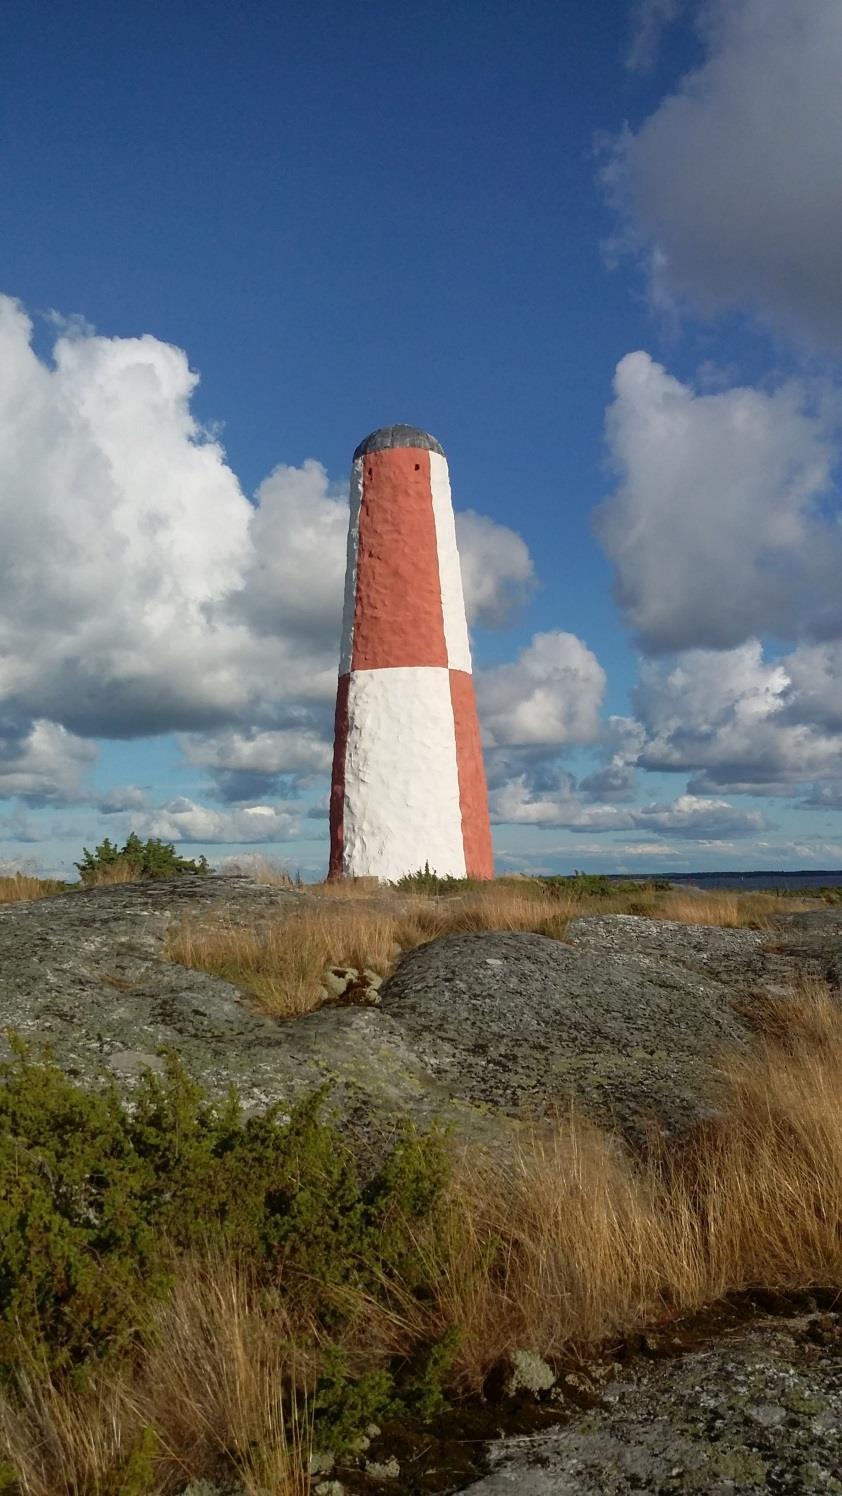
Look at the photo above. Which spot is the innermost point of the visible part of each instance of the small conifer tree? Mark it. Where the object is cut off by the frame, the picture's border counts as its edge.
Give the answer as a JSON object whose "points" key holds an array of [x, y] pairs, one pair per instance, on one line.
{"points": [[153, 858]]}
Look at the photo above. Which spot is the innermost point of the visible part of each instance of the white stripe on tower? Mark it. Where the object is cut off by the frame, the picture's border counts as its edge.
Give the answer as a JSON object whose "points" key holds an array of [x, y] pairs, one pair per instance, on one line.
{"points": [[450, 573], [401, 783]]}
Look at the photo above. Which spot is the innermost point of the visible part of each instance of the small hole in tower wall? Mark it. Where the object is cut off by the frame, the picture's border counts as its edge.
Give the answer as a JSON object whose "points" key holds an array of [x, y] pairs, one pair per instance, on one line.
{"points": [[417, 467]]}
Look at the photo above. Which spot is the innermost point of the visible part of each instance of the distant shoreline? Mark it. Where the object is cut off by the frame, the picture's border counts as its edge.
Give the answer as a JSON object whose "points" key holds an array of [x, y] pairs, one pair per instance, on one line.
{"points": [[756, 878]]}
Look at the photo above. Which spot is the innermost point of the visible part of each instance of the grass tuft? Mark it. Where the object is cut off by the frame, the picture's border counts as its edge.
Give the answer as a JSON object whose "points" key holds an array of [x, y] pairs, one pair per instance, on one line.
{"points": [[17, 888], [590, 1242], [262, 869], [282, 962], [206, 1397]]}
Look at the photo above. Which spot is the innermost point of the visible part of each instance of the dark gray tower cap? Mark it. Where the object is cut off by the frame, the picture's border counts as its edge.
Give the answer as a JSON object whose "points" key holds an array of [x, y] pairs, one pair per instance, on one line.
{"points": [[398, 436]]}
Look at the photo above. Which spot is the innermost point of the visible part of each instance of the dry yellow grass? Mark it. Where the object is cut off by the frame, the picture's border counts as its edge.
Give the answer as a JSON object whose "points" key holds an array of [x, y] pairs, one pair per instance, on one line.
{"points": [[61, 1442], [16, 888], [592, 1242], [262, 869], [755, 911], [208, 1393], [506, 907], [734, 910], [808, 1014], [346, 888], [283, 961], [215, 1375]]}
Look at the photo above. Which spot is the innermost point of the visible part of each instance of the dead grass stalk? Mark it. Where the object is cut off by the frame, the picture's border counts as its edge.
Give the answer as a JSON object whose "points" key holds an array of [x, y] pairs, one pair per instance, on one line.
{"points": [[209, 1392], [16, 888], [593, 1242]]}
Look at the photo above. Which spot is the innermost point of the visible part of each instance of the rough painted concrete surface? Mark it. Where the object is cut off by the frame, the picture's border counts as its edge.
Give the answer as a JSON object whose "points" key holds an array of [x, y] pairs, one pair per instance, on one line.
{"points": [[398, 750], [473, 793], [398, 618], [401, 776], [450, 572]]}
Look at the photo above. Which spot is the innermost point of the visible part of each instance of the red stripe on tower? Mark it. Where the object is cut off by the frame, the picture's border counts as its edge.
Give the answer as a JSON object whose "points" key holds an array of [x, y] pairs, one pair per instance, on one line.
{"points": [[397, 612], [337, 785], [473, 793]]}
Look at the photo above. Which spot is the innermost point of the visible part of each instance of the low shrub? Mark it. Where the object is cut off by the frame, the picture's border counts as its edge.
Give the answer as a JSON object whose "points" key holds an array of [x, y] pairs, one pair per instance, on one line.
{"points": [[426, 881], [584, 886], [828, 894], [77, 1237], [135, 860], [101, 1203]]}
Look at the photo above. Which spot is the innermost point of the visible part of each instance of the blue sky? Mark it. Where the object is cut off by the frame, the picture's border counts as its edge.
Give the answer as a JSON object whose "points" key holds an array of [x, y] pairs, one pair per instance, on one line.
{"points": [[595, 249]]}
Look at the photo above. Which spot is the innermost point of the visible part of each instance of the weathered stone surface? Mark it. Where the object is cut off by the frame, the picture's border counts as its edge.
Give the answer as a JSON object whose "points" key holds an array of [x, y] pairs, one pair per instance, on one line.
{"points": [[85, 973], [757, 1411], [625, 1017]]}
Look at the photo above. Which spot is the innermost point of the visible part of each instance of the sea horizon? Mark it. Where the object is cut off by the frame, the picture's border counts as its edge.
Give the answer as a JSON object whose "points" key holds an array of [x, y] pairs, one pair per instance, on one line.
{"points": [[754, 878]]}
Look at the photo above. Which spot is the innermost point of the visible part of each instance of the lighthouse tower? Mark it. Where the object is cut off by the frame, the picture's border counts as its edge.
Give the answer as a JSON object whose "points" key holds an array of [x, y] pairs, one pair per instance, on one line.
{"points": [[408, 778]]}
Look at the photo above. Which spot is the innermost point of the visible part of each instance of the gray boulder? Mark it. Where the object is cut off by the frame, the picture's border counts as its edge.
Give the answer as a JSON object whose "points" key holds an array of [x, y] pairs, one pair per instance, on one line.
{"points": [[624, 1019]]}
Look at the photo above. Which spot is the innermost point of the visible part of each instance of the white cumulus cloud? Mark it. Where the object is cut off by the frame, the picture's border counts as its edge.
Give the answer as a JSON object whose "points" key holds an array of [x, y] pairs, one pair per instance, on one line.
{"points": [[184, 820], [242, 762], [497, 571], [739, 722], [121, 798], [550, 695], [42, 762], [294, 578], [695, 817], [731, 186], [718, 527]]}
